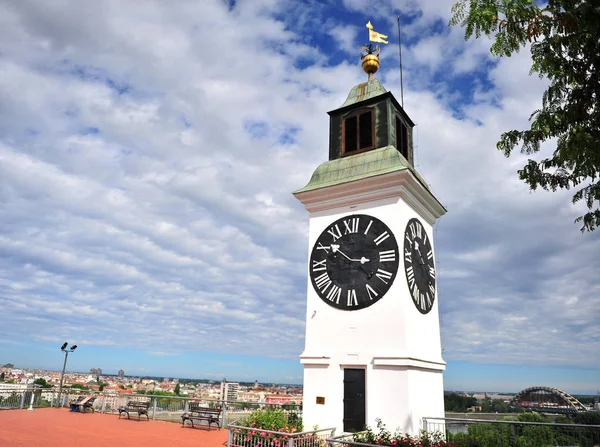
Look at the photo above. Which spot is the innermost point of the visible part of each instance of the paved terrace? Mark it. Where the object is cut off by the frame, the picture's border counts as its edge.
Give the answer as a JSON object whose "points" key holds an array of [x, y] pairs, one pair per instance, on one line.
{"points": [[49, 427]]}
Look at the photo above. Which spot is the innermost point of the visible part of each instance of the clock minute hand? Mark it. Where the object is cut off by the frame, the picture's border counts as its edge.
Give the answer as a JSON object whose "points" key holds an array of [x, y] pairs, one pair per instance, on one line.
{"points": [[336, 249]]}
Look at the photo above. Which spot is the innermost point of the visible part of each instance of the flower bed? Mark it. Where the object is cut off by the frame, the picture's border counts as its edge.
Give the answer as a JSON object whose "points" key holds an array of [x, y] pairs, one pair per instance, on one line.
{"points": [[273, 427], [386, 438]]}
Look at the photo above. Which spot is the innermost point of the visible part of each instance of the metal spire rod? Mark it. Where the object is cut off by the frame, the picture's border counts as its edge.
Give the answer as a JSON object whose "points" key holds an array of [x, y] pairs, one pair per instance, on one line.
{"points": [[400, 53]]}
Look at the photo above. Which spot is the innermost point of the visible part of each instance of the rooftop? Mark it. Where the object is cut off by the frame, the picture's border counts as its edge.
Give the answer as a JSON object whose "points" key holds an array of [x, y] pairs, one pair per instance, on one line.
{"points": [[58, 426]]}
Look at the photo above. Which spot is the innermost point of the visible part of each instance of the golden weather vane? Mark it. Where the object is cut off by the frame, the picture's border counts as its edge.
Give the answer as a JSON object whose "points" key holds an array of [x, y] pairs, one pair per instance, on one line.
{"points": [[374, 36], [369, 55]]}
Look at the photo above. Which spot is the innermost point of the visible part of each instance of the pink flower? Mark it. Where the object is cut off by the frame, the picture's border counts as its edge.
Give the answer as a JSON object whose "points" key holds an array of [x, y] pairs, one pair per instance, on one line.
{"points": [[263, 434]]}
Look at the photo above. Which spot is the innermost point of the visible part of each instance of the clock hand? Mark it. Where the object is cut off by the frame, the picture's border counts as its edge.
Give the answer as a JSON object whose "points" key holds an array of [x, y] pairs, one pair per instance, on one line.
{"points": [[336, 249], [419, 251]]}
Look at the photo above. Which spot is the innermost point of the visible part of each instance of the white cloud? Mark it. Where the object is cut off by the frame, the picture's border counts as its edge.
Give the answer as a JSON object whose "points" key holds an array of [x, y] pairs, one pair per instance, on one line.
{"points": [[135, 195]]}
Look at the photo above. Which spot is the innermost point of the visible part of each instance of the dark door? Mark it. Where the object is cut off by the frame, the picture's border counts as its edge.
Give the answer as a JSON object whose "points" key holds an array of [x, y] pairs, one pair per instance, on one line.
{"points": [[354, 399]]}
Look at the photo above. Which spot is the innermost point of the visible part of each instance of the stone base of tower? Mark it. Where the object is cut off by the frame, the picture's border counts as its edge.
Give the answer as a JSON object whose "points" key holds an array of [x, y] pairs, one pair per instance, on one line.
{"points": [[399, 391]]}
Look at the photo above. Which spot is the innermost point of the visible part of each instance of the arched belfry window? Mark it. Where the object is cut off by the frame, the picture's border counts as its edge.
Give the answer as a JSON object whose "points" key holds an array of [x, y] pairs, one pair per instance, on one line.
{"points": [[402, 138], [358, 131]]}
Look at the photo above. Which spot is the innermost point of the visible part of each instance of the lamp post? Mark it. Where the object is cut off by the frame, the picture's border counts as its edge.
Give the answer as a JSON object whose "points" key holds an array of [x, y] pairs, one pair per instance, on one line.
{"points": [[64, 349]]}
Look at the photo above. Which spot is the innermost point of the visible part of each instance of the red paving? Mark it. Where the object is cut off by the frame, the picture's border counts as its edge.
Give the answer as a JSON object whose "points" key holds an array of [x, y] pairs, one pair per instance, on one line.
{"points": [[48, 427]]}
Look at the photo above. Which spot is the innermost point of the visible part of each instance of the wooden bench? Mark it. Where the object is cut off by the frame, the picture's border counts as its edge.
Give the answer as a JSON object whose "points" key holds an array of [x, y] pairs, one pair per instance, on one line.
{"points": [[84, 404], [135, 406], [198, 413]]}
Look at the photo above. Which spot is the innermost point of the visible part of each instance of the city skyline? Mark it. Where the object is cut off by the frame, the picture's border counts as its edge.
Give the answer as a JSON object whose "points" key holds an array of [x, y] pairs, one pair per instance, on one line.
{"points": [[255, 382], [148, 156]]}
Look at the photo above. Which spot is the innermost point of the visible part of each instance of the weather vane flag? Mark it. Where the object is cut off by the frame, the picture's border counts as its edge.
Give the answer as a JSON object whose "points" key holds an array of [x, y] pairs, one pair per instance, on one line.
{"points": [[370, 55], [374, 36]]}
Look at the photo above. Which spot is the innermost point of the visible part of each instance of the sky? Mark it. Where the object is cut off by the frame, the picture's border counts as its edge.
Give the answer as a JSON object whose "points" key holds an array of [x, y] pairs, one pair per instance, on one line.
{"points": [[148, 155]]}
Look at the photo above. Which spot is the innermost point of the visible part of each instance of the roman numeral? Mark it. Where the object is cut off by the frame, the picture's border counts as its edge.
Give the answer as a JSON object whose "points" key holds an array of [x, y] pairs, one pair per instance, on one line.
{"points": [[318, 266], [410, 242], [371, 292], [351, 225], [432, 290], [382, 237], [383, 275], [410, 276], [351, 300], [432, 272], [407, 255], [387, 256], [428, 299], [324, 247], [368, 226], [323, 282], [416, 229], [334, 294], [415, 294], [335, 232], [430, 254]]}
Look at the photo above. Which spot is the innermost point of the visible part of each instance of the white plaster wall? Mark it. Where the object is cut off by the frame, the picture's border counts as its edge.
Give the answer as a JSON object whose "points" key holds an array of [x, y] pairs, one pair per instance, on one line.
{"points": [[392, 327], [324, 381], [398, 328]]}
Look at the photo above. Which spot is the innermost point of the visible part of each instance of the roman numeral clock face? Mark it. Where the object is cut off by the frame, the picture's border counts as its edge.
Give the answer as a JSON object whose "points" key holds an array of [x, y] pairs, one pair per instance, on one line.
{"points": [[419, 266], [354, 262]]}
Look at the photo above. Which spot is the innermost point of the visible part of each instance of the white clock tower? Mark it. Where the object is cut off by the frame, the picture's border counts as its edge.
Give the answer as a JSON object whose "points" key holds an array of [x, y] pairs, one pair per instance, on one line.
{"points": [[372, 347]]}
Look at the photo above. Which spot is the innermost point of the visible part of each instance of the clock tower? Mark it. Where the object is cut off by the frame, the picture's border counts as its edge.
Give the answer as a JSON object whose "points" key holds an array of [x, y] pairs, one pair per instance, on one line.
{"points": [[372, 348]]}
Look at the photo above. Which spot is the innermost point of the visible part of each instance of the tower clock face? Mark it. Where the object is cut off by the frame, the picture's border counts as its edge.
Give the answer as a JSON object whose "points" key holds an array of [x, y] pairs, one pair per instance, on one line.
{"points": [[354, 262], [419, 266]]}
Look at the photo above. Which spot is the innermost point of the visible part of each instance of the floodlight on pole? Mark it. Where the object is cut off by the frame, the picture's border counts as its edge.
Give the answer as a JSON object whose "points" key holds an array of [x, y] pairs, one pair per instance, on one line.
{"points": [[62, 375]]}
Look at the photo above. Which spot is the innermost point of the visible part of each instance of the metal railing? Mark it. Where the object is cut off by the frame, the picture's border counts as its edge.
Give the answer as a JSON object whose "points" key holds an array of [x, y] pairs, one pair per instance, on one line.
{"points": [[28, 397], [165, 408], [485, 433], [239, 436]]}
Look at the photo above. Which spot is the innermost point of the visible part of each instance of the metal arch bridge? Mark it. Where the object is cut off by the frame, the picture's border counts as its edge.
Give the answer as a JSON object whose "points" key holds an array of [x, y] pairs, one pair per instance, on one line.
{"points": [[547, 400]]}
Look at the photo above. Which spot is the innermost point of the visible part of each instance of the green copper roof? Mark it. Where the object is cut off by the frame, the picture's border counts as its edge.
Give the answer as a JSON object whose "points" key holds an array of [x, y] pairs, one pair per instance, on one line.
{"points": [[366, 90], [347, 169]]}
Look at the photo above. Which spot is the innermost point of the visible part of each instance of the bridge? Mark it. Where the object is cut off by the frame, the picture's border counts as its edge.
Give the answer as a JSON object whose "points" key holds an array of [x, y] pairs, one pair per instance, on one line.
{"points": [[545, 399]]}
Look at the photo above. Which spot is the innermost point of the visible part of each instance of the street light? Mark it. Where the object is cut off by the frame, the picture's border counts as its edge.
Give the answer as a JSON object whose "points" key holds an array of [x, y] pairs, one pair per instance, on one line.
{"points": [[66, 351]]}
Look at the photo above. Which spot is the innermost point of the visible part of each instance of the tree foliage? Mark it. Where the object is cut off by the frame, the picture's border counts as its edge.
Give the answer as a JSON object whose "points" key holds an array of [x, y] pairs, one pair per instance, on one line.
{"points": [[565, 49], [588, 418], [42, 382], [458, 403]]}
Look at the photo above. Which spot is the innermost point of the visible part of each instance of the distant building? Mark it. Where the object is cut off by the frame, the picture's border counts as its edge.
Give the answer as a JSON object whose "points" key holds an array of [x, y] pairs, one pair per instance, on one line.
{"points": [[96, 371], [281, 399], [121, 373], [229, 390]]}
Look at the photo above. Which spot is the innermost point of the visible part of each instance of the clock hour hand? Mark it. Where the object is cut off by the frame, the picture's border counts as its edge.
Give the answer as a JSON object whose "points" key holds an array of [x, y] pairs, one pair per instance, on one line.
{"points": [[419, 251], [336, 249]]}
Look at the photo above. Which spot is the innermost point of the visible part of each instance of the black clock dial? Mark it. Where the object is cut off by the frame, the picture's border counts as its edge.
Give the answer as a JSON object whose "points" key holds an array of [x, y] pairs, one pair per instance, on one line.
{"points": [[354, 262], [419, 266]]}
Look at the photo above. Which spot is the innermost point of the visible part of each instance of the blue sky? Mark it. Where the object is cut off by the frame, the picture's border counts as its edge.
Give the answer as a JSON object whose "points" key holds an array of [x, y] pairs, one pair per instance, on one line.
{"points": [[147, 160]]}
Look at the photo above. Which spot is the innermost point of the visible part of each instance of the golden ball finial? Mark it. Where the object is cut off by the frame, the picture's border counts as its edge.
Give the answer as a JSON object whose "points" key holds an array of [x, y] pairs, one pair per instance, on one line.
{"points": [[370, 64]]}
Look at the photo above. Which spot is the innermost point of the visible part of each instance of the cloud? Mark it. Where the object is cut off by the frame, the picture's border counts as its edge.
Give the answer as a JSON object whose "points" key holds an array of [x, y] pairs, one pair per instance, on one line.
{"points": [[148, 156]]}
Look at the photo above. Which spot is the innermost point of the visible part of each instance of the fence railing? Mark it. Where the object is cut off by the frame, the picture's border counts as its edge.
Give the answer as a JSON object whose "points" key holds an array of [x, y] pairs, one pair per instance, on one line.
{"points": [[28, 397], [166, 408], [239, 436], [484, 433]]}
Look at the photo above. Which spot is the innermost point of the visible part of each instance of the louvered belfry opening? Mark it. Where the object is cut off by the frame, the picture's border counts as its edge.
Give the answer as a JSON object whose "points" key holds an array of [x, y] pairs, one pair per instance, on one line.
{"points": [[402, 138], [358, 132]]}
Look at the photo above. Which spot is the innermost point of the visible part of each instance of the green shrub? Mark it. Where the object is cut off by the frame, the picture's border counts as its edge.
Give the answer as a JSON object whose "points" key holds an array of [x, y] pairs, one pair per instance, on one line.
{"points": [[259, 425], [274, 419], [385, 437]]}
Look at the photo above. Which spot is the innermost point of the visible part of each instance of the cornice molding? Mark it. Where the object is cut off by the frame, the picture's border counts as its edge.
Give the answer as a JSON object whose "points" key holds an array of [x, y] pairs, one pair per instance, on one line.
{"points": [[398, 184]]}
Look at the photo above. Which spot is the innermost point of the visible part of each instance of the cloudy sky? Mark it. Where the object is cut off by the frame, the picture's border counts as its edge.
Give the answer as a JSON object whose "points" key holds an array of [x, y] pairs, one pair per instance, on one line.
{"points": [[148, 152]]}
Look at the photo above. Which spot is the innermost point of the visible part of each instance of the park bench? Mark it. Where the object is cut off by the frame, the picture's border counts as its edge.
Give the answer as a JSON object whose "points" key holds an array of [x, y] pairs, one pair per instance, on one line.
{"points": [[83, 403], [198, 413], [135, 406]]}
